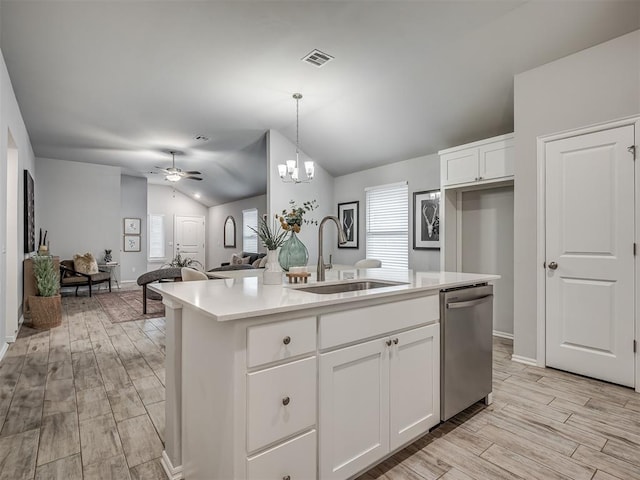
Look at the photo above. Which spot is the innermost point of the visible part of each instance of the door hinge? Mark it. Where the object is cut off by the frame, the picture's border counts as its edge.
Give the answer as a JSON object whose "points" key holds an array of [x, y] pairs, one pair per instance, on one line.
{"points": [[634, 249], [544, 264], [635, 344], [632, 151]]}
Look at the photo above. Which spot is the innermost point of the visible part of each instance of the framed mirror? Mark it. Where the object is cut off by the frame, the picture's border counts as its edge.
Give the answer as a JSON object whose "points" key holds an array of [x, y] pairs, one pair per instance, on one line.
{"points": [[230, 232]]}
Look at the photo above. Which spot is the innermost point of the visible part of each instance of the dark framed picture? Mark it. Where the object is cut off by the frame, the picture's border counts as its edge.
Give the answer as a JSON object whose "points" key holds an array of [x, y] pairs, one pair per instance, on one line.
{"points": [[131, 226], [349, 219], [426, 220], [131, 243], [29, 214]]}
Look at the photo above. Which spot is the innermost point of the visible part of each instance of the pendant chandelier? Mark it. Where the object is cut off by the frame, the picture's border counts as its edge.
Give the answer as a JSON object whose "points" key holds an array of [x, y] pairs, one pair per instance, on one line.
{"points": [[290, 172]]}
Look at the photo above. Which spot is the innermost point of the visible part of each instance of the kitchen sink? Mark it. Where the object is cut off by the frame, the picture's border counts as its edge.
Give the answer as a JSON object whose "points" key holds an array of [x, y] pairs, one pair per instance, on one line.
{"points": [[349, 287]]}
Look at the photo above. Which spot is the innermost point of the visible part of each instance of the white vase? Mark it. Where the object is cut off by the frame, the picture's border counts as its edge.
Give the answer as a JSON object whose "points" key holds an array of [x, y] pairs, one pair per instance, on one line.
{"points": [[272, 271]]}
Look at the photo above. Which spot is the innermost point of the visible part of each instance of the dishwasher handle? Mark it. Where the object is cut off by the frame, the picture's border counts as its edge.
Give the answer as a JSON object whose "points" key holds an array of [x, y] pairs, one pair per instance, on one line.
{"points": [[470, 303]]}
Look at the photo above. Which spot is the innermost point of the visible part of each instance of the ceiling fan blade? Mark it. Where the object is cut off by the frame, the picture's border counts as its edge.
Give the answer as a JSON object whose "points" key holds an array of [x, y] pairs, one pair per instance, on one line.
{"points": [[193, 178], [193, 172]]}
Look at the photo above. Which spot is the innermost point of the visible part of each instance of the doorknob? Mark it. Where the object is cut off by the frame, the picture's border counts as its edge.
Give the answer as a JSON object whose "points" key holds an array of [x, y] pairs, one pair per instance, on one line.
{"points": [[553, 265]]}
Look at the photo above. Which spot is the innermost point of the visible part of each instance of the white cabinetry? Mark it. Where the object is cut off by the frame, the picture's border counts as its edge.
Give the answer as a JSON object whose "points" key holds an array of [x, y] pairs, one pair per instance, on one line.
{"points": [[482, 161], [378, 395]]}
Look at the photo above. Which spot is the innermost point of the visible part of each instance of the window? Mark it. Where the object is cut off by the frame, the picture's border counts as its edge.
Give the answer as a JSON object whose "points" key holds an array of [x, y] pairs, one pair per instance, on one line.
{"points": [[388, 224], [156, 237], [249, 237]]}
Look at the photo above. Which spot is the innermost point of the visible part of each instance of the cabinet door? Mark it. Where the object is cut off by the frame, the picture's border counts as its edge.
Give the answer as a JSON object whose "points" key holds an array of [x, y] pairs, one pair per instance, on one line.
{"points": [[459, 167], [497, 160], [354, 408], [414, 383]]}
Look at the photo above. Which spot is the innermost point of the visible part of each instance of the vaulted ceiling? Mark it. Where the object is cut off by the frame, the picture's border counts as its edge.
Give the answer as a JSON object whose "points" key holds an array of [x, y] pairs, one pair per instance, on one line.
{"points": [[121, 83]]}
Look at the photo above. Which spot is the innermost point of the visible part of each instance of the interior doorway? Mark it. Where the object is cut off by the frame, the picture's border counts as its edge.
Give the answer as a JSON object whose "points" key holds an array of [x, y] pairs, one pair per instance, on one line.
{"points": [[11, 248], [589, 263]]}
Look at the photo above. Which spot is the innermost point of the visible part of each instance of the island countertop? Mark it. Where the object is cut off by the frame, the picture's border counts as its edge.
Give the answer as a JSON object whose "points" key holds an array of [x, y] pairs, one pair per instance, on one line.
{"points": [[246, 297]]}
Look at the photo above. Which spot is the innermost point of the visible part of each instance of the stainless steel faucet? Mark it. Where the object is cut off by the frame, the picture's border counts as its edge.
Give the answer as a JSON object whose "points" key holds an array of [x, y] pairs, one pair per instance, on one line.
{"points": [[342, 239]]}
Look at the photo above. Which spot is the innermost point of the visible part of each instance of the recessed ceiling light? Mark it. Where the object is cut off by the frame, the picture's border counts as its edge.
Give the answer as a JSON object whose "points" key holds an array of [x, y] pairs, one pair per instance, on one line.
{"points": [[197, 195], [317, 58], [201, 138]]}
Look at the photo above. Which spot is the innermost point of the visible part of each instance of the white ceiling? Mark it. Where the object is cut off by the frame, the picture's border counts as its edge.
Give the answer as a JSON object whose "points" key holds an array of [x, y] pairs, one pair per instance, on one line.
{"points": [[120, 83]]}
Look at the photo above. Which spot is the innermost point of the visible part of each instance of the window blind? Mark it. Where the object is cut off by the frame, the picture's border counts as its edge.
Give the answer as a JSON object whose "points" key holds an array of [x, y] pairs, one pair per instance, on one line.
{"points": [[388, 224], [156, 236], [249, 237]]}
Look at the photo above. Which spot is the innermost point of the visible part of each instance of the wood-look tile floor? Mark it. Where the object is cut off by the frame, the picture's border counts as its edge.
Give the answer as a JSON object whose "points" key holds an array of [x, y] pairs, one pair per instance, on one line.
{"points": [[544, 424], [86, 400], [83, 400]]}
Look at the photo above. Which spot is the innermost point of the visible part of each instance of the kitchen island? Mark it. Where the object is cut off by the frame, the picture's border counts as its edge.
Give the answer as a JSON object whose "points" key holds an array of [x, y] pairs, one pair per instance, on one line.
{"points": [[271, 381]]}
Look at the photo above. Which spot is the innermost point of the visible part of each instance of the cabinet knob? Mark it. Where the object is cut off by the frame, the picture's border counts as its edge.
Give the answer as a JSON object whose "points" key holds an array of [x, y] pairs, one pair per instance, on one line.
{"points": [[395, 341], [286, 477], [285, 401], [286, 340], [477, 179], [388, 342]]}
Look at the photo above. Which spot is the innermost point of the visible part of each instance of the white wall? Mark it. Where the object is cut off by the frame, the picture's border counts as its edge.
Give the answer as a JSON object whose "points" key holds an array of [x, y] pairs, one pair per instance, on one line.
{"points": [[280, 149], [216, 252], [133, 204], [164, 200], [79, 205], [11, 121], [592, 86], [421, 173], [487, 246]]}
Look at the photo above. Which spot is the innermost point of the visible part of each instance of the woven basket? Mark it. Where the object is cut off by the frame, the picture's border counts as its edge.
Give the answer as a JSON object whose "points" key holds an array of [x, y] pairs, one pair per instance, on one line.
{"points": [[46, 312]]}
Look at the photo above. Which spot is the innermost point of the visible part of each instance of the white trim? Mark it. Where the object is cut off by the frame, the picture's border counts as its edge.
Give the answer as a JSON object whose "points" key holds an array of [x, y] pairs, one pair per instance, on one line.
{"points": [[3, 350], [541, 326], [526, 360], [497, 333], [387, 185], [11, 338], [499, 138], [174, 473]]}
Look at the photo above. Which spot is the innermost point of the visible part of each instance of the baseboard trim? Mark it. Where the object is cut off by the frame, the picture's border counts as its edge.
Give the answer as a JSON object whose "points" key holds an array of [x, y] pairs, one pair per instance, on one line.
{"points": [[497, 333], [3, 350], [526, 360], [174, 473], [11, 339]]}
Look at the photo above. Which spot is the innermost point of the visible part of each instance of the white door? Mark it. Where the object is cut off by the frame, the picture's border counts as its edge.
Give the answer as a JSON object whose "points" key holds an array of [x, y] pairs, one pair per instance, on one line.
{"points": [[189, 237], [354, 408], [589, 255], [414, 385]]}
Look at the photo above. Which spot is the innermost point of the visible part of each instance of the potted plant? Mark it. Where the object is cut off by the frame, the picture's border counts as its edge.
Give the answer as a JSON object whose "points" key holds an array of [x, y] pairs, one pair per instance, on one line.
{"points": [[272, 237], [179, 262], [293, 253], [46, 307]]}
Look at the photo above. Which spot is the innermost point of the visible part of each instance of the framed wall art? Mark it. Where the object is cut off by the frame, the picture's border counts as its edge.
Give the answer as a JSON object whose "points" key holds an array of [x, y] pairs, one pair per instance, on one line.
{"points": [[29, 214], [131, 243], [348, 213], [132, 226], [426, 220]]}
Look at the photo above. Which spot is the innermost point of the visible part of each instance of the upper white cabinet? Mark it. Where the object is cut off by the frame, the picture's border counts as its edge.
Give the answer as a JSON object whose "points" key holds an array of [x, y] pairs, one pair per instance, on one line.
{"points": [[482, 161]]}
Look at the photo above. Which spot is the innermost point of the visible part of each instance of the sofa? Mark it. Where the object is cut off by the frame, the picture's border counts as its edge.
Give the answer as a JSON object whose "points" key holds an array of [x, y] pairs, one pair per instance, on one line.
{"points": [[69, 277], [247, 258]]}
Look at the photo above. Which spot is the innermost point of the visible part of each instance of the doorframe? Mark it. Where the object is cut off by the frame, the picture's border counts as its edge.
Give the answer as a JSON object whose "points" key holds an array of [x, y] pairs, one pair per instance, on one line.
{"points": [[541, 141]]}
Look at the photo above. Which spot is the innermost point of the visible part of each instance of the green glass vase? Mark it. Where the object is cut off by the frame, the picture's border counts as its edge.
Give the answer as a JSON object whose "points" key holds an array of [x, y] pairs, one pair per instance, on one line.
{"points": [[293, 253]]}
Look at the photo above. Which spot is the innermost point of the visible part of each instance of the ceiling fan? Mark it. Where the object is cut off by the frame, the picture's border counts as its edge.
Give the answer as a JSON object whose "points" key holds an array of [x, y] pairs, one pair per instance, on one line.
{"points": [[173, 174]]}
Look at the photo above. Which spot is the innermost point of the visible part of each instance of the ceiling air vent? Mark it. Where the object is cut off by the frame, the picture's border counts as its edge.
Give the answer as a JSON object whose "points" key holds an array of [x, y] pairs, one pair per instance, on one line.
{"points": [[317, 58]]}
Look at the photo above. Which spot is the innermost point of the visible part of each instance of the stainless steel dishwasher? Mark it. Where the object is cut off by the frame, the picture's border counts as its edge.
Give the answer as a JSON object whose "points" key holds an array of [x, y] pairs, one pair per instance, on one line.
{"points": [[466, 330]]}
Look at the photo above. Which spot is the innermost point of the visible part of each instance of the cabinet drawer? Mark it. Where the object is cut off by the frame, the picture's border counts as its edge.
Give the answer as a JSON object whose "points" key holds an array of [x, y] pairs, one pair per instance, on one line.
{"points": [[295, 459], [277, 341], [358, 324], [281, 402]]}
